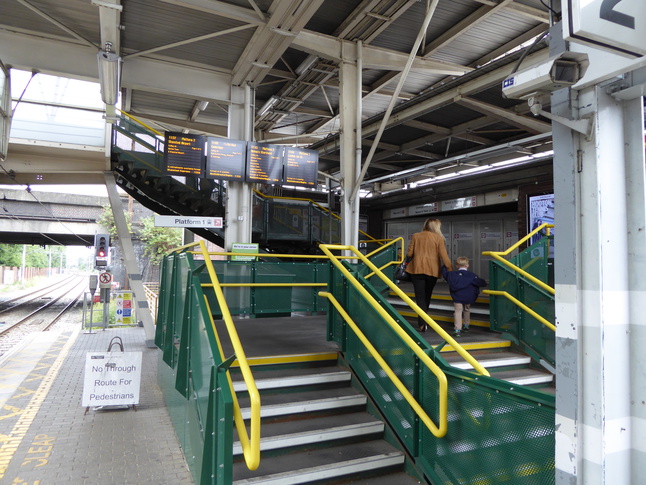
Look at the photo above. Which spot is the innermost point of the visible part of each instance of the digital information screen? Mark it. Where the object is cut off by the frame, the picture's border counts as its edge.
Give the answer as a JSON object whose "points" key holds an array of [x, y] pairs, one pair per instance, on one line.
{"points": [[184, 154], [264, 163], [301, 167], [225, 159]]}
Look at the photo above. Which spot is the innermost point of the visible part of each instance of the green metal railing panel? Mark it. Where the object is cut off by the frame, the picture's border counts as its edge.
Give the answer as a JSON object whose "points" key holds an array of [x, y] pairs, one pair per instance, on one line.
{"points": [[294, 220], [201, 412], [402, 362], [515, 322], [495, 434], [271, 299], [537, 259]]}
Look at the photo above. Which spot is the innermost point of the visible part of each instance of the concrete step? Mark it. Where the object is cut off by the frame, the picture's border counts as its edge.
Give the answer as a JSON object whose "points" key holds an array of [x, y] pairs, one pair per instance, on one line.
{"points": [[304, 432], [326, 464], [296, 381], [490, 361], [296, 405]]}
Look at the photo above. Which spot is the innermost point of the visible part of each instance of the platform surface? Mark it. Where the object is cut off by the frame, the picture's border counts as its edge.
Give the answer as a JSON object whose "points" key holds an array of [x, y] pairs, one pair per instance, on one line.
{"points": [[47, 439]]}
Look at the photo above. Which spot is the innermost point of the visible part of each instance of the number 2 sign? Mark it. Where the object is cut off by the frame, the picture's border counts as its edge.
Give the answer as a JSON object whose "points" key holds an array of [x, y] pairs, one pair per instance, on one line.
{"points": [[618, 25]]}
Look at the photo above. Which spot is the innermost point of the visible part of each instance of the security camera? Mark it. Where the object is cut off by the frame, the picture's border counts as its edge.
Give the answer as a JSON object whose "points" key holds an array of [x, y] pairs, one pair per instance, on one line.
{"points": [[555, 73]]}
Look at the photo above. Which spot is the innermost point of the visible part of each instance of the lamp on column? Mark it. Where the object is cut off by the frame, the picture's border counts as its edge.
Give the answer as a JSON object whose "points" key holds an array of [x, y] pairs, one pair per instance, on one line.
{"points": [[109, 74]]}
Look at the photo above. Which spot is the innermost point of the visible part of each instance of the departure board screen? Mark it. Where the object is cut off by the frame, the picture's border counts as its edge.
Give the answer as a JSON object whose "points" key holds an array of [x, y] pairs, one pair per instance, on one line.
{"points": [[225, 159], [184, 154], [301, 167], [264, 163]]}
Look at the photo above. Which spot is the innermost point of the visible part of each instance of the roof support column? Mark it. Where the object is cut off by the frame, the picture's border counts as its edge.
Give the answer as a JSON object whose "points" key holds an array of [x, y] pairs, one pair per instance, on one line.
{"points": [[350, 140], [237, 215], [600, 208]]}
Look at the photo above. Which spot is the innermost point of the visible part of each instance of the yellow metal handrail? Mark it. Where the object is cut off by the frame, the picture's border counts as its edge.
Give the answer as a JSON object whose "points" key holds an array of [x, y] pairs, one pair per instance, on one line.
{"points": [[498, 256], [389, 263], [440, 430], [140, 122], [250, 442], [520, 304], [432, 323]]}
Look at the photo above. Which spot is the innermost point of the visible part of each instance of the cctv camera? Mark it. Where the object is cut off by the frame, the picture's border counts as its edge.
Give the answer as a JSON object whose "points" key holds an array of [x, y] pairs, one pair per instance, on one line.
{"points": [[555, 73]]}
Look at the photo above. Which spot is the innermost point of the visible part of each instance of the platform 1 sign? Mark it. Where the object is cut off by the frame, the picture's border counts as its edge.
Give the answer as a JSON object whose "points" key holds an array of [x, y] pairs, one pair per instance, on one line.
{"points": [[112, 378], [189, 221], [616, 25]]}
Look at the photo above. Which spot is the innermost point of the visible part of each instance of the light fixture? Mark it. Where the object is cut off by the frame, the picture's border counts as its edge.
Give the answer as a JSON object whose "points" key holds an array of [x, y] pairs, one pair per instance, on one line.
{"points": [[109, 75], [202, 105], [269, 104]]}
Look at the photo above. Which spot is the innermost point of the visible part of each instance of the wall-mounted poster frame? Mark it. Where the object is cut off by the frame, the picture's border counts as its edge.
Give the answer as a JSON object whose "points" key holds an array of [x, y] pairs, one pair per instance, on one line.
{"points": [[540, 209]]}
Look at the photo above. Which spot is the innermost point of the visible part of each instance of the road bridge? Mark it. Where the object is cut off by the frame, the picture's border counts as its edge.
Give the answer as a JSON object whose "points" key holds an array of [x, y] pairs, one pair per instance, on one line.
{"points": [[46, 218]]}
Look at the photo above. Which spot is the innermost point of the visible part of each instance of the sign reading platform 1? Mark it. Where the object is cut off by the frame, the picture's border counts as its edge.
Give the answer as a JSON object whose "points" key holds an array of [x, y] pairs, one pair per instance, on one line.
{"points": [[188, 221], [112, 378], [617, 25]]}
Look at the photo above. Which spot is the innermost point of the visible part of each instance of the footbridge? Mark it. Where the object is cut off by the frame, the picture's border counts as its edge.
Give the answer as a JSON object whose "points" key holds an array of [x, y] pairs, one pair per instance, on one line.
{"points": [[46, 218]]}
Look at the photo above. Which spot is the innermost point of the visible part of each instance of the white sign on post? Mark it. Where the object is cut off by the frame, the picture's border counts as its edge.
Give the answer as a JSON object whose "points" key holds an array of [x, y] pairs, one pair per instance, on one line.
{"points": [[617, 25], [189, 221], [112, 378]]}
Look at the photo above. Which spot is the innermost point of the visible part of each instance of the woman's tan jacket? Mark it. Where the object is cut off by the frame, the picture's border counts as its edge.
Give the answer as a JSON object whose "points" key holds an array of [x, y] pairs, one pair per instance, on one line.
{"points": [[427, 249]]}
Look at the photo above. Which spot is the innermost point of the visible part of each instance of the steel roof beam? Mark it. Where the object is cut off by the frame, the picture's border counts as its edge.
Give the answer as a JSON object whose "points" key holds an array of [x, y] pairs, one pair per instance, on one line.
{"points": [[532, 125]]}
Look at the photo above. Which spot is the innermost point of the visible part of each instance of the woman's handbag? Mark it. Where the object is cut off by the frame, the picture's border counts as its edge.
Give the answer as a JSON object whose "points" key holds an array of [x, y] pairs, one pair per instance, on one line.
{"points": [[401, 274]]}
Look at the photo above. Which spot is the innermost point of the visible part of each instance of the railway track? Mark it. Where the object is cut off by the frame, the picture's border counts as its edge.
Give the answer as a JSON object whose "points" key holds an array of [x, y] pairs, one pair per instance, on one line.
{"points": [[38, 310]]}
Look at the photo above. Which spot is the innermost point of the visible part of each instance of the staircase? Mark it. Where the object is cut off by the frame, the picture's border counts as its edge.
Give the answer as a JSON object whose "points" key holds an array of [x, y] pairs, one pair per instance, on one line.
{"points": [[317, 428], [499, 356]]}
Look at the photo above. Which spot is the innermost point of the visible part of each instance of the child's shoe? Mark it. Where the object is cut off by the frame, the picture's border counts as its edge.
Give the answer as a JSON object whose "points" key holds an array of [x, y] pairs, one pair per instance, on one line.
{"points": [[456, 333], [465, 328]]}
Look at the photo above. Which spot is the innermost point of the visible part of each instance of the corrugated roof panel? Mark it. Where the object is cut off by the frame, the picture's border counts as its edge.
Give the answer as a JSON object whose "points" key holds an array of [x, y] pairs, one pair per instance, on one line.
{"points": [[331, 15], [150, 24], [78, 15]]}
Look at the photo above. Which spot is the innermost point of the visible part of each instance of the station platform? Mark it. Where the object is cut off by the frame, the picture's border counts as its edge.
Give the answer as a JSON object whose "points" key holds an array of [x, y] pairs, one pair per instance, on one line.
{"points": [[47, 439]]}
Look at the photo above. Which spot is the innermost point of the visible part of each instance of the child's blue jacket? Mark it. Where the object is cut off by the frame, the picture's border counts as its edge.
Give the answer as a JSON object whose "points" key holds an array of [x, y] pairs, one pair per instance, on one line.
{"points": [[463, 285]]}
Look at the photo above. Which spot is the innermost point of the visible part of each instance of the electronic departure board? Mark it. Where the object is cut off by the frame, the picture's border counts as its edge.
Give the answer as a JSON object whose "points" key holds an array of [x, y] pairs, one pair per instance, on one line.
{"points": [[225, 159], [184, 154], [264, 163], [301, 167]]}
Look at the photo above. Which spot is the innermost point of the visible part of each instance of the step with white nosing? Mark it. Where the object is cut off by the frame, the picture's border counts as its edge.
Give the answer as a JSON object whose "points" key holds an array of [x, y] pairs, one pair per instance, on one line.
{"points": [[315, 436], [273, 410], [326, 472], [294, 381], [491, 363], [531, 379]]}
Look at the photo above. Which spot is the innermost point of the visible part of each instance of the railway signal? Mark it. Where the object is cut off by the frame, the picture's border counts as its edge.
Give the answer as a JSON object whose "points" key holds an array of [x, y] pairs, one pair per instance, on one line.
{"points": [[101, 249]]}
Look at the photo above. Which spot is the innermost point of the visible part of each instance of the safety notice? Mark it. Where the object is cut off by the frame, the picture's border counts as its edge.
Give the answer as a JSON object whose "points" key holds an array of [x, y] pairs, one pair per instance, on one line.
{"points": [[112, 378]]}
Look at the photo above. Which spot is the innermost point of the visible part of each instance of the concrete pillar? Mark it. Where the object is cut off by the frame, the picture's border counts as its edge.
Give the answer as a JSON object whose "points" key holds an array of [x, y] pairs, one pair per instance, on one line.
{"points": [[130, 260], [350, 139], [238, 199], [600, 260]]}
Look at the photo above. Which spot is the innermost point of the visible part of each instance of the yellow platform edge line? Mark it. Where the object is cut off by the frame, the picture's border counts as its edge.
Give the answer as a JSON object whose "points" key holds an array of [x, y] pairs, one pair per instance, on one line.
{"points": [[289, 359]]}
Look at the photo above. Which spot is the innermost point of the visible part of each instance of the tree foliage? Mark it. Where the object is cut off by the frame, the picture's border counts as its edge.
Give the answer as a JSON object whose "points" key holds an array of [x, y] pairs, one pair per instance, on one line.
{"points": [[158, 240], [10, 255], [107, 220], [35, 256]]}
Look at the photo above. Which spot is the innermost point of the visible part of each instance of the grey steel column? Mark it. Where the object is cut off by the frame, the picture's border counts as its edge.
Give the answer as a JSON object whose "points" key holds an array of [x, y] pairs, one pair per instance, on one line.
{"points": [[237, 218], [350, 107], [600, 208]]}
